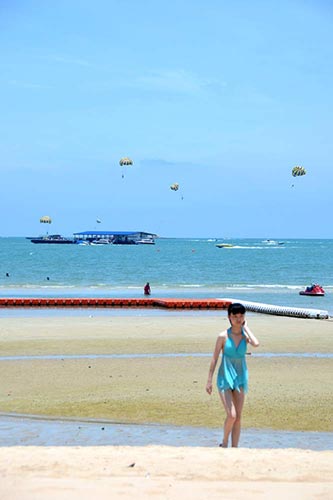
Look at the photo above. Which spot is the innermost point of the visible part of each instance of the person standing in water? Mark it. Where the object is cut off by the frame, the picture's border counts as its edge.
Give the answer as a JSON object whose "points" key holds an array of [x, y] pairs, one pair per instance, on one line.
{"points": [[232, 377], [146, 289]]}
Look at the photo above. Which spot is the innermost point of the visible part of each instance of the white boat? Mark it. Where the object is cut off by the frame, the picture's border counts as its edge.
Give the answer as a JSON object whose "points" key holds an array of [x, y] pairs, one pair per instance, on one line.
{"points": [[273, 242], [146, 241], [83, 243], [101, 241]]}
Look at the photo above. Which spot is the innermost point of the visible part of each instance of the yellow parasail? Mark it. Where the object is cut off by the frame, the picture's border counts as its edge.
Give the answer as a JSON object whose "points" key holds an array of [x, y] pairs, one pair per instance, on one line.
{"points": [[298, 171], [125, 162], [46, 219]]}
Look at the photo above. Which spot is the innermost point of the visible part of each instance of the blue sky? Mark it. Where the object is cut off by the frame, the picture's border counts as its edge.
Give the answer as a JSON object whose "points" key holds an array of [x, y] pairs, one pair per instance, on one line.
{"points": [[221, 97]]}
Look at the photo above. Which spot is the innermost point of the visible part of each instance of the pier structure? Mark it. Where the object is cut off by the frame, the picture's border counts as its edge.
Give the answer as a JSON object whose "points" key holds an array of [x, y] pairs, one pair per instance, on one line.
{"points": [[115, 237]]}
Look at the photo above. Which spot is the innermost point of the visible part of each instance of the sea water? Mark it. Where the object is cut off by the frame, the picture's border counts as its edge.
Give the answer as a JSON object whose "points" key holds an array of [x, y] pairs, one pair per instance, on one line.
{"points": [[252, 269], [20, 430]]}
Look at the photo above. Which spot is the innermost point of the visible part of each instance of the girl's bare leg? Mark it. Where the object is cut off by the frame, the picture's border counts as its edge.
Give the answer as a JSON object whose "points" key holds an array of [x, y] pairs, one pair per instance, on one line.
{"points": [[238, 400], [229, 406]]}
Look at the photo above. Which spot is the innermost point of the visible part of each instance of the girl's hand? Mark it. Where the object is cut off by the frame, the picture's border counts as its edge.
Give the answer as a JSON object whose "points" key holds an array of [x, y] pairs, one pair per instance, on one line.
{"points": [[209, 387]]}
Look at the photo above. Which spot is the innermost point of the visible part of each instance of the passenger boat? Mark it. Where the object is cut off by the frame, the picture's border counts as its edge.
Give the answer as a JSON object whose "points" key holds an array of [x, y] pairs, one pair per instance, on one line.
{"points": [[314, 290], [52, 239]]}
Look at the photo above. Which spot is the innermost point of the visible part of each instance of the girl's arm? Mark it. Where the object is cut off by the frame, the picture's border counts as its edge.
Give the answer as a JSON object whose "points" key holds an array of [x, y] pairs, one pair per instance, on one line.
{"points": [[250, 337], [218, 347]]}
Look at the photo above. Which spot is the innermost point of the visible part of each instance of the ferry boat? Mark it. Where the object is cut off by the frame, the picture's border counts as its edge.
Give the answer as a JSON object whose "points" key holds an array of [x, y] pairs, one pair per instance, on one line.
{"points": [[52, 239]]}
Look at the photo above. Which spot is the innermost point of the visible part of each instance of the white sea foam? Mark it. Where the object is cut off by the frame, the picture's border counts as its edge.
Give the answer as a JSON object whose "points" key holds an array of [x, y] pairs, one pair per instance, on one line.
{"points": [[263, 286], [247, 247], [191, 286]]}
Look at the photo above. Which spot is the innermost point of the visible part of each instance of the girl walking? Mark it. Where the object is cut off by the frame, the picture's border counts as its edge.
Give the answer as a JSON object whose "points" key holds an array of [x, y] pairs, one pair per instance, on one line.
{"points": [[232, 377]]}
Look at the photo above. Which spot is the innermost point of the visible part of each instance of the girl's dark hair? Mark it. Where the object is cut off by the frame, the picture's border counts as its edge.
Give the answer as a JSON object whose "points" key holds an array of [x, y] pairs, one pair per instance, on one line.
{"points": [[236, 308]]}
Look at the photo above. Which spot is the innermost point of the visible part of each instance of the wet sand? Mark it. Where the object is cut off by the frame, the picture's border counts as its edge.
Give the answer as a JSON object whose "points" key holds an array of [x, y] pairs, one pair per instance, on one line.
{"points": [[165, 390]]}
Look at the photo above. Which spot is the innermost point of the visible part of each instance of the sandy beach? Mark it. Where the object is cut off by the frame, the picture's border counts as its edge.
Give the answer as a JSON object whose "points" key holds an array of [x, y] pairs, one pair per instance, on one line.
{"points": [[169, 389], [163, 472], [166, 390]]}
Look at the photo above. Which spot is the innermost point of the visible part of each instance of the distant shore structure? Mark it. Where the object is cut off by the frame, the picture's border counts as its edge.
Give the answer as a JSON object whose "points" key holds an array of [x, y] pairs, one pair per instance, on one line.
{"points": [[117, 237]]}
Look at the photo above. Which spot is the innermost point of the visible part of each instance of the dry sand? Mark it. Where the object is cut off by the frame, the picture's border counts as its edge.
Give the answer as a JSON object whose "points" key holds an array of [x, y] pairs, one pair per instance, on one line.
{"points": [[33, 473]]}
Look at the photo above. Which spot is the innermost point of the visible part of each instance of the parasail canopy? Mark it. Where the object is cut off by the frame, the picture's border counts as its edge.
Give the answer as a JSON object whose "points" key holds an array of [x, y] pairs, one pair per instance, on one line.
{"points": [[174, 186], [298, 171], [46, 219], [125, 161]]}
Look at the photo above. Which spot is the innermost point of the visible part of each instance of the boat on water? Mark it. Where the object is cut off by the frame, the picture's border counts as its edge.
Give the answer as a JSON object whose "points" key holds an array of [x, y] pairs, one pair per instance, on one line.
{"points": [[273, 242], [146, 241], [82, 243], [53, 239], [314, 290], [224, 245], [101, 241]]}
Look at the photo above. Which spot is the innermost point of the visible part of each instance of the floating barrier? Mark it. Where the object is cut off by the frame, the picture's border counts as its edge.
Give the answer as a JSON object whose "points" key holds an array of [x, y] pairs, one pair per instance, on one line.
{"points": [[192, 303], [115, 302], [166, 303], [297, 312]]}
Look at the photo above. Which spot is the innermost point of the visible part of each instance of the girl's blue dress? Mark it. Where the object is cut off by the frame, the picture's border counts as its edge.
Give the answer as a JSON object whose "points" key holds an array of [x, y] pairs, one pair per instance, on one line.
{"points": [[233, 374]]}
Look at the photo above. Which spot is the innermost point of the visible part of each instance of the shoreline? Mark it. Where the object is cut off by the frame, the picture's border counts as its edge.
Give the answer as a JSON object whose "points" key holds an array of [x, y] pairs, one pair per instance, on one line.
{"points": [[37, 430]]}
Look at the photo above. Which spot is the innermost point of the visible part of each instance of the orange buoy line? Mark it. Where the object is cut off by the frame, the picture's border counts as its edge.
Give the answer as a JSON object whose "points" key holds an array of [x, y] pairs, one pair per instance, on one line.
{"points": [[192, 303], [115, 302]]}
